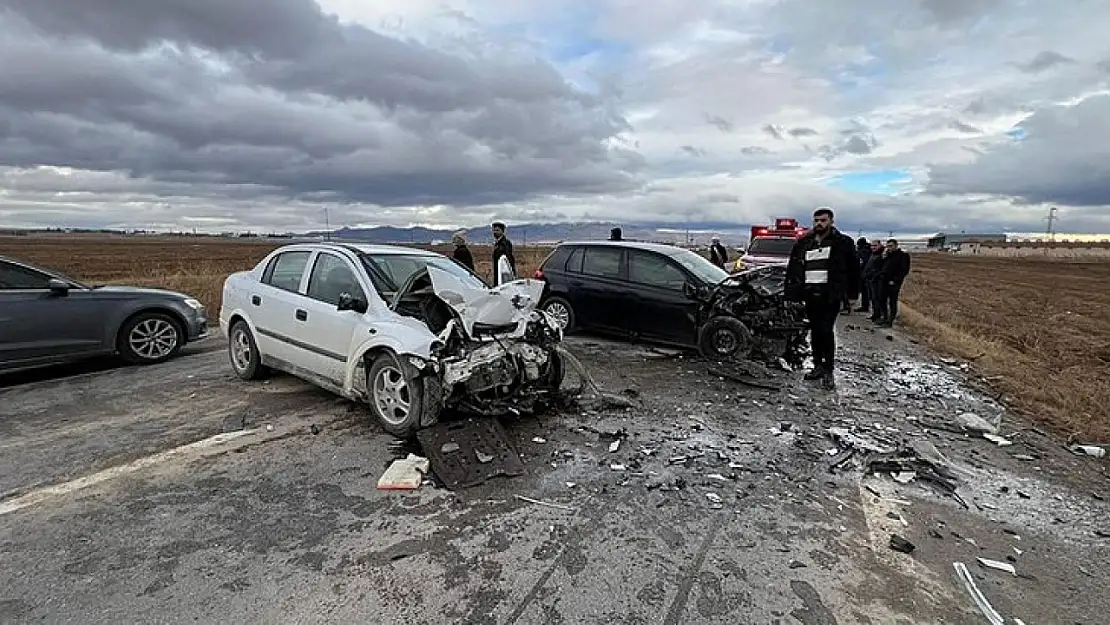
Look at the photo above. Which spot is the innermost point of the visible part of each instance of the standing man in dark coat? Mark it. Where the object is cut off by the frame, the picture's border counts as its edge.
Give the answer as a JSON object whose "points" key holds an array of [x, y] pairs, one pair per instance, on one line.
{"points": [[872, 280], [718, 254], [895, 269], [615, 234], [822, 271], [462, 253], [502, 246], [863, 251]]}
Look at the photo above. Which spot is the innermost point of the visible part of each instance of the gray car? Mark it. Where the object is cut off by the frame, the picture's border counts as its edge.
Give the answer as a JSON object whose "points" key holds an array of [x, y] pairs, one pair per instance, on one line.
{"points": [[47, 318]]}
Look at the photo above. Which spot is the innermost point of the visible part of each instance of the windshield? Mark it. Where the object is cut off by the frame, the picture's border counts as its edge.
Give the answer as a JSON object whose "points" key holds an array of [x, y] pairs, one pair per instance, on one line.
{"points": [[699, 266], [771, 247], [390, 271]]}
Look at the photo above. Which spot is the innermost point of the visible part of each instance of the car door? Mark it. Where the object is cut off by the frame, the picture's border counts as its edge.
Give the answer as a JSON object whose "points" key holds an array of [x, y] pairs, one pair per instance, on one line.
{"points": [[663, 311], [39, 325], [273, 306], [601, 291], [324, 332]]}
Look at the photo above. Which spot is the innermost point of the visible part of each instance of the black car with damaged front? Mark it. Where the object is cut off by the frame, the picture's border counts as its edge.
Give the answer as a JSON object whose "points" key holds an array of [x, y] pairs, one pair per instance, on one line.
{"points": [[672, 296]]}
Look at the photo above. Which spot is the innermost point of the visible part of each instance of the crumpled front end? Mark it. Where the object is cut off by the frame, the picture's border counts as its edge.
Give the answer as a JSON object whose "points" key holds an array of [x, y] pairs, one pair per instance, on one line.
{"points": [[756, 297], [498, 355]]}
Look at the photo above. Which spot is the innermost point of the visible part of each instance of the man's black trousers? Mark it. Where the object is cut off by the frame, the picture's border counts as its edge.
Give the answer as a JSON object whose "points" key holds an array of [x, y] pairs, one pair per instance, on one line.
{"points": [[823, 311], [890, 300]]}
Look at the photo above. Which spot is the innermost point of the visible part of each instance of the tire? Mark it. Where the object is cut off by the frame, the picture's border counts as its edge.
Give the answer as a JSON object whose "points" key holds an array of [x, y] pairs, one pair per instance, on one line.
{"points": [[243, 352], [396, 397], [555, 373], [149, 338], [724, 338], [562, 312]]}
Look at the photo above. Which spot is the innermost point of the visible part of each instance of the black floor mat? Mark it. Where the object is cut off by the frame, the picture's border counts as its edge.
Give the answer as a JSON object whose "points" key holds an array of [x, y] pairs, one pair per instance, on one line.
{"points": [[456, 451]]}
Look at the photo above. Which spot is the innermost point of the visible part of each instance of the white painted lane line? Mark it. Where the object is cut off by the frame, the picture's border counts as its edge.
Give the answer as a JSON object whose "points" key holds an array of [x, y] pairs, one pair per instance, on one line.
{"points": [[202, 448]]}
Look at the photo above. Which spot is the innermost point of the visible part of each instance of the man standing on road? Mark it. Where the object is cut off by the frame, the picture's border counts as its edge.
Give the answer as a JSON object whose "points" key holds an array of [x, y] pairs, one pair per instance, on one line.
{"points": [[863, 252], [718, 254], [462, 253], [872, 280], [895, 269], [502, 248], [822, 270]]}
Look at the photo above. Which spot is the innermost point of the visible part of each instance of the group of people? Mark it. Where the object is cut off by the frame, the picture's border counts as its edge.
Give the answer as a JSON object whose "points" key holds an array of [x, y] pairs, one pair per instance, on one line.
{"points": [[504, 262], [827, 271]]}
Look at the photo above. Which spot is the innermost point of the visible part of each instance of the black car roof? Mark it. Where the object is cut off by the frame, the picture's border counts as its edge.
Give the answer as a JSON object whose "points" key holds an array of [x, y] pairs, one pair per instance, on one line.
{"points": [[662, 248]]}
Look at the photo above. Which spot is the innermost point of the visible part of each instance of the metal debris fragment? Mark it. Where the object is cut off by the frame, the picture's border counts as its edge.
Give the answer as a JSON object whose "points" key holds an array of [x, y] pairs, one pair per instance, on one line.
{"points": [[539, 439], [1000, 566], [557, 506], [980, 601], [974, 423], [1001, 441], [901, 545], [1094, 451]]}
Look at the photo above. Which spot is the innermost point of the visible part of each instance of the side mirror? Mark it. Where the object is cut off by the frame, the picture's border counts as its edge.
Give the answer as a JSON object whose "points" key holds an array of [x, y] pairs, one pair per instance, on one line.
{"points": [[58, 287], [350, 302], [694, 291]]}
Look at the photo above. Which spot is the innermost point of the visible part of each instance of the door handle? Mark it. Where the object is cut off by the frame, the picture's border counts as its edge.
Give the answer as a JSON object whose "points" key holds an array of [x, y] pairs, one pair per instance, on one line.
{"points": [[256, 300], [302, 315]]}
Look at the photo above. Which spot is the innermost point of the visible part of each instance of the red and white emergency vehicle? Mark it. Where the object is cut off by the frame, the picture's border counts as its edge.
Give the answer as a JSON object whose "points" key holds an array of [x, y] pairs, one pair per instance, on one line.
{"points": [[770, 245]]}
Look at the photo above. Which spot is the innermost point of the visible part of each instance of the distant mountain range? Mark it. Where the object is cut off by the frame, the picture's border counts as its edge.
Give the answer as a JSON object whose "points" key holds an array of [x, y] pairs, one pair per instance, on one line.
{"points": [[522, 234]]}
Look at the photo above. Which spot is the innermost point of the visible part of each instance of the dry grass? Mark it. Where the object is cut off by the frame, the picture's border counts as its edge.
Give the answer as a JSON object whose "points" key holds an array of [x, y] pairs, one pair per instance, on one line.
{"points": [[193, 265], [1037, 328]]}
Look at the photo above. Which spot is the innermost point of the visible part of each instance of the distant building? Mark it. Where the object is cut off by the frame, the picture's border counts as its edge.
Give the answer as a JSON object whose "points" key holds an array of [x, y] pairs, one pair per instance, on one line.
{"points": [[946, 241]]}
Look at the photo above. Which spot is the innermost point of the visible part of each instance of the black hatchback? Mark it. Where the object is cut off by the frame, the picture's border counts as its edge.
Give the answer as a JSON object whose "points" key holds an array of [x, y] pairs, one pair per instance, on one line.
{"points": [[643, 290]]}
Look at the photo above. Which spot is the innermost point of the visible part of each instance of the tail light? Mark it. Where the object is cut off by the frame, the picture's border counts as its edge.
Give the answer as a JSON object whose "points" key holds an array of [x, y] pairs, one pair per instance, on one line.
{"points": [[538, 275]]}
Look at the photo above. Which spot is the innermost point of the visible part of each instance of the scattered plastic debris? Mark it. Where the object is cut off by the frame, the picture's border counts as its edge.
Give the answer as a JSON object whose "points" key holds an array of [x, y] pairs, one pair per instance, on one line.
{"points": [[977, 596], [901, 545], [713, 498], [974, 423], [614, 446], [618, 467], [1095, 451], [404, 474], [557, 506], [449, 448], [539, 439], [483, 457], [1001, 441], [1000, 566]]}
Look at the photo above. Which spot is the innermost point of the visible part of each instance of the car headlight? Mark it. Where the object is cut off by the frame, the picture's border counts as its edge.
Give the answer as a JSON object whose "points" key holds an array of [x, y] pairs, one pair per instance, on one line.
{"points": [[194, 304]]}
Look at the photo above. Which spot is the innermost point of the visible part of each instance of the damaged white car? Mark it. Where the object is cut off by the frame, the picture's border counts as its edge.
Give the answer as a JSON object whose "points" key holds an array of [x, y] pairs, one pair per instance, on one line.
{"points": [[409, 331]]}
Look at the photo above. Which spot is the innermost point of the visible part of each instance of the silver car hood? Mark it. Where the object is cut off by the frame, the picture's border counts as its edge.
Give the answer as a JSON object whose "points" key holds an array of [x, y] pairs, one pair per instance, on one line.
{"points": [[502, 305]]}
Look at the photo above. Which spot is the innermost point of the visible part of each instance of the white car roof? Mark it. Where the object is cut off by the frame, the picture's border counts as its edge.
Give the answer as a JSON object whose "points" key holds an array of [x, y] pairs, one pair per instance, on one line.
{"points": [[362, 248]]}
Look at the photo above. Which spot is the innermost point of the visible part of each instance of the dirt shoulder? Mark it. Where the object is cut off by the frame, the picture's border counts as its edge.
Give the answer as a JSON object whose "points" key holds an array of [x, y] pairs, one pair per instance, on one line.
{"points": [[289, 526]]}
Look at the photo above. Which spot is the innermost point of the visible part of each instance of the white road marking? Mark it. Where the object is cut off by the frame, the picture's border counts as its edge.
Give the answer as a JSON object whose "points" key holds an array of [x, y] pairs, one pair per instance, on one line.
{"points": [[199, 449]]}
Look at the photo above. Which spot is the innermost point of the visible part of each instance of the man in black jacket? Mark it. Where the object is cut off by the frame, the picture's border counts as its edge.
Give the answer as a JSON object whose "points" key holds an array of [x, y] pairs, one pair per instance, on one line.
{"points": [[822, 270], [502, 246], [896, 267], [872, 280], [718, 254], [863, 252]]}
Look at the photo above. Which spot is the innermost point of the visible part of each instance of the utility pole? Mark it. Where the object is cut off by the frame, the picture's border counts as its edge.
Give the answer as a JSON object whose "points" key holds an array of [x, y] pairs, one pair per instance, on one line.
{"points": [[327, 224], [1051, 230]]}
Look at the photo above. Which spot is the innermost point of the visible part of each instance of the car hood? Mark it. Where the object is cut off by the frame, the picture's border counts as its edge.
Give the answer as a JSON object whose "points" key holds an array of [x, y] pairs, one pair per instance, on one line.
{"points": [[138, 290], [766, 259], [502, 305]]}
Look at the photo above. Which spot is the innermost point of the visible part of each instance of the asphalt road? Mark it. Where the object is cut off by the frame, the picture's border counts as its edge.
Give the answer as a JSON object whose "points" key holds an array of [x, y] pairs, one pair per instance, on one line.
{"points": [[111, 511]]}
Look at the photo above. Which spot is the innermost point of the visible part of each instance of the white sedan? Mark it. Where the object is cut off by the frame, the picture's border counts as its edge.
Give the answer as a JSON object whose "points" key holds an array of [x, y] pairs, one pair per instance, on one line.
{"points": [[409, 331]]}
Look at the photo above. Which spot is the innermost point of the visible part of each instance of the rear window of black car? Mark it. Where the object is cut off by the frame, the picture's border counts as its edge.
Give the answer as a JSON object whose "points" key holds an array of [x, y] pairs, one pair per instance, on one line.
{"points": [[574, 260], [602, 261]]}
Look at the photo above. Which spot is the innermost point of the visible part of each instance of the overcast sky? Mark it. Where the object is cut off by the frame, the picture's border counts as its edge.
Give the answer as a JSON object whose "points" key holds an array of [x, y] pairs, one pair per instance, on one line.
{"points": [[912, 116]]}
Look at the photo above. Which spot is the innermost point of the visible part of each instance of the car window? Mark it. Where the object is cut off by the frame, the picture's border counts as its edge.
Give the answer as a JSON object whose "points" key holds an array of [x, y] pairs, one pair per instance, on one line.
{"points": [[286, 269], [771, 247], [574, 261], [602, 261], [654, 270], [699, 266], [331, 276], [389, 272], [14, 277]]}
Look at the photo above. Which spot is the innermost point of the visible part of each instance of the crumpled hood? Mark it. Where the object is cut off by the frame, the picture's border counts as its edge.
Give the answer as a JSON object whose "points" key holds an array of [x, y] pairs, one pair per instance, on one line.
{"points": [[765, 260], [509, 303]]}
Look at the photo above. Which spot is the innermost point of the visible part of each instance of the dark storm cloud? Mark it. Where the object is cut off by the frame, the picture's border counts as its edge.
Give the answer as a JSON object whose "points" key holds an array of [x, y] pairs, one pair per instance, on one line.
{"points": [[276, 93], [962, 127], [802, 132], [1043, 61], [1062, 160], [773, 131]]}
